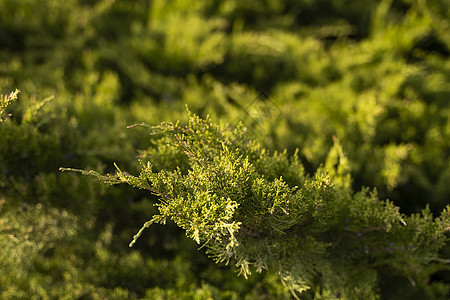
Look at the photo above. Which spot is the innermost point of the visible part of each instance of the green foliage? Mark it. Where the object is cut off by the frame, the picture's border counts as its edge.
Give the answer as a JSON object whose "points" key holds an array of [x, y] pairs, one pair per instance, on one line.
{"points": [[234, 201], [371, 75], [5, 101], [66, 236], [32, 231]]}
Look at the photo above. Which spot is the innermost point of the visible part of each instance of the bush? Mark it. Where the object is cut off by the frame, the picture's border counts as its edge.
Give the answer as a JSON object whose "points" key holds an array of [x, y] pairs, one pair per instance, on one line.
{"points": [[262, 212], [373, 75]]}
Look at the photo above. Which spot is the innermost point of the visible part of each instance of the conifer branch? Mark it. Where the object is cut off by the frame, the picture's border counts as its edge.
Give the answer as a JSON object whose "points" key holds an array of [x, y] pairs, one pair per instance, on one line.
{"points": [[234, 201]]}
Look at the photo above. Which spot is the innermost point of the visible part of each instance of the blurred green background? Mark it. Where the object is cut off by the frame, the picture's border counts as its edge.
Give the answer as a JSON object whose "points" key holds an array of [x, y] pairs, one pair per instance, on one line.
{"points": [[374, 74]]}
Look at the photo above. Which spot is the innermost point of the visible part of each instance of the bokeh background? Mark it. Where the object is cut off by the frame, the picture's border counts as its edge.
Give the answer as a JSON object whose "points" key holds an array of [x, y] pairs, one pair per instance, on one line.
{"points": [[374, 74]]}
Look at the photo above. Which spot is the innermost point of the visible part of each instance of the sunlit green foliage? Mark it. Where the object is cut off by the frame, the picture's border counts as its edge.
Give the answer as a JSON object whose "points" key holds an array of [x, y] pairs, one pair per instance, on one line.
{"points": [[234, 200], [66, 236], [5, 101], [373, 75]]}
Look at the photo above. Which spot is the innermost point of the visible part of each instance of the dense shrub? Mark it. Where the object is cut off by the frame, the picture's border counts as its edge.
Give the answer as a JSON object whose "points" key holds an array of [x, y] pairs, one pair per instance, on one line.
{"points": [[299, 74], [262, 212]]}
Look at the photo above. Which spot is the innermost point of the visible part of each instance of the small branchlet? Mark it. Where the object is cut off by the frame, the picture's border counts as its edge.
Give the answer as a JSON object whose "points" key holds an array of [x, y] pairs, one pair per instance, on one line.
{"points": [[5, 101]]}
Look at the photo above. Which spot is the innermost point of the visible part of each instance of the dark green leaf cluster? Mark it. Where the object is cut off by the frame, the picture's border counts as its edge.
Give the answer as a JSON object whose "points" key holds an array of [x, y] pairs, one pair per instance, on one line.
{"points": [[234, 201]]}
